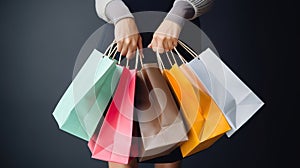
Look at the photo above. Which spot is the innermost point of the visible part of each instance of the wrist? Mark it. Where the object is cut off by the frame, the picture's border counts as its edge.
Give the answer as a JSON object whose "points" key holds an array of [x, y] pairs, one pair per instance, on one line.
{"points": [[168, 28], [180, 11], [124, 28]]}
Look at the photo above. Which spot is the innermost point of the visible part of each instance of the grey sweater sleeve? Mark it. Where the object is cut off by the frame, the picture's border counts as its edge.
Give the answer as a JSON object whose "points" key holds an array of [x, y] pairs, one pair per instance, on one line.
{"points": [[117, 10], [182, 9], [188, 9]]}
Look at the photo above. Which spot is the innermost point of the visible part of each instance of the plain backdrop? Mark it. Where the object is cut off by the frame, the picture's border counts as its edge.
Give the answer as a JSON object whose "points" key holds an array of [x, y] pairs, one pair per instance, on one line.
{"points": [[40, 40]]}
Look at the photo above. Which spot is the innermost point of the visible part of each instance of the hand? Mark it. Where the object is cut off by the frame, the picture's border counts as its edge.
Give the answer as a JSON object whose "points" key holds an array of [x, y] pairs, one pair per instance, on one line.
{"points": [[165, 37], [127, 37]]}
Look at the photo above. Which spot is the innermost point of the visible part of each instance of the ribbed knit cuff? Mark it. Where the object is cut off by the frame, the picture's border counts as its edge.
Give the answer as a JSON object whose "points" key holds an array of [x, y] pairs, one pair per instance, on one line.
{"points": [[180, 11]]}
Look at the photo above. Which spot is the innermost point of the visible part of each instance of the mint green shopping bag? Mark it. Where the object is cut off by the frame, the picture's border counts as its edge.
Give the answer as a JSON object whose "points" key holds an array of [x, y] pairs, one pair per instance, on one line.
{"points": [[82, 105]]}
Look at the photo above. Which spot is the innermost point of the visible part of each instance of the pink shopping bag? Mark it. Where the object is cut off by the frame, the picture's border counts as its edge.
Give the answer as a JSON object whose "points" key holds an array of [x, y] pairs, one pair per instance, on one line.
{"points": [[114, 142]]}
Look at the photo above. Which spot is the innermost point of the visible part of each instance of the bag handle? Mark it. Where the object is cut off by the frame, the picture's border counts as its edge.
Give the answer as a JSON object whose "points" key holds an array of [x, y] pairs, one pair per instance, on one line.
{"points": [[114, 52], [161, 64], [175, 62], [109, 48], [137, 56], [188, 49], [179, 55], [127, 60], [183, 60], [111, 51]]}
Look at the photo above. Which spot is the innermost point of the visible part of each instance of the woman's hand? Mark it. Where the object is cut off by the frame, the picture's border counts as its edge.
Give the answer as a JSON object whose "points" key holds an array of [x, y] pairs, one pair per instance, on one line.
{"points": [[127, 37], [165, 37]]}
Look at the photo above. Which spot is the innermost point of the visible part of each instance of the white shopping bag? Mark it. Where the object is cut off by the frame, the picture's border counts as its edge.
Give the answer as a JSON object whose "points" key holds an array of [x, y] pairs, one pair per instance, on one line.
{"points": [[234, 98]]}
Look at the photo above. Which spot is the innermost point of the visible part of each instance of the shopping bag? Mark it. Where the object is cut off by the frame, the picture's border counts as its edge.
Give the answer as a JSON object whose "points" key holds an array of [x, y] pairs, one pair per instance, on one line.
{"points": [[103, 108], [162, 127], [81, 106], [234, 98], [206, 121], [189, 104], [215, 125], [114, 140]]}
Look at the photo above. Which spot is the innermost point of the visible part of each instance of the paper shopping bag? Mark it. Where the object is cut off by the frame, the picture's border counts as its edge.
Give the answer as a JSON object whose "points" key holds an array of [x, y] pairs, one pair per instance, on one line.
{"points": [[81, 106], [162, 127], [190, 105], [114, 140], [234, 98], [103, 108], [215, 125]]}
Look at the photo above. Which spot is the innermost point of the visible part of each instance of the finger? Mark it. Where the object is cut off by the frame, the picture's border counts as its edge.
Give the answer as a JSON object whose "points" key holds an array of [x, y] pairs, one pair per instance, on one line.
{"points": [[160, 45], [136, 43], [154, 44], [119, 45], [165, 44], [131, 50], [126, 44], [130, 55], [124, 50], [170, 44], [175, 42]]}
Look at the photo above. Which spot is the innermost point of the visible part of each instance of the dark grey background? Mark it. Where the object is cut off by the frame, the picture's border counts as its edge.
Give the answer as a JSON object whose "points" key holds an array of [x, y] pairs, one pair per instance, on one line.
{"points": [[40, 40]]}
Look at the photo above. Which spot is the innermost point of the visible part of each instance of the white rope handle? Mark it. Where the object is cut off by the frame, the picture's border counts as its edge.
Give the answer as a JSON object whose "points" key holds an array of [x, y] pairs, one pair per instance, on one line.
{"points": [[137, 55], [188, 49], [114, 54], [109, 48], [174, 57], [159, 61], [141, 60], [180, 56], [120, 56], [127, 60], [169, 58]]}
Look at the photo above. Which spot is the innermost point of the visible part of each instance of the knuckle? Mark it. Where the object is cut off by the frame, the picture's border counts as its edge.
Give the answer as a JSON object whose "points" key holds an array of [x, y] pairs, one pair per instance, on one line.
{"points": [[133, 42], [120, 42], [169, 38], [162, 38], [127, 41], [158, 36], [155, 37]]}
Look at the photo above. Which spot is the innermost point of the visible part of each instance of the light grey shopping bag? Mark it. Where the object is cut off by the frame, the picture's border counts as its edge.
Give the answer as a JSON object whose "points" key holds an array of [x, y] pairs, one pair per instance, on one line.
{"points": [[234, 98]]}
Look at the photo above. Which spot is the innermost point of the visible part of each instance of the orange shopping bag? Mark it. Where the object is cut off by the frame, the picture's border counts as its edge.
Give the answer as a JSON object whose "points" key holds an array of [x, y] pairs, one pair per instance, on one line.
{"points": [[206, 121], [215, 125]]}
